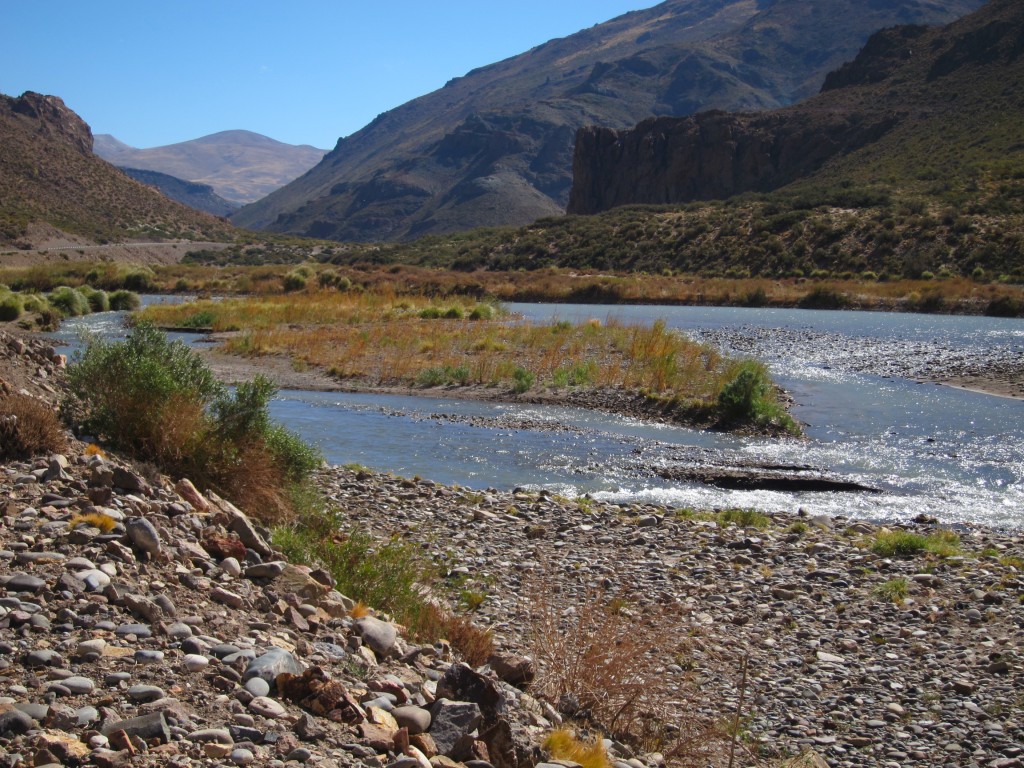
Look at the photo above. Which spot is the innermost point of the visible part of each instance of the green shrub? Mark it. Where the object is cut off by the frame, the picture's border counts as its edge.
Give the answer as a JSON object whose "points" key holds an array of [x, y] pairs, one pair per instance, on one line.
{"points": [[296, 280], [482, 312], [522, 380], [69, 302], [98, 299], [124, 301], [10, 307], [142, 280], [741, 396], [158, 401]]}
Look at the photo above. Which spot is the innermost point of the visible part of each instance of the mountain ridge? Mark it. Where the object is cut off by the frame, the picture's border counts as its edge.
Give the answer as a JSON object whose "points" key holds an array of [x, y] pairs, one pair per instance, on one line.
{"points": [[494, 147]]}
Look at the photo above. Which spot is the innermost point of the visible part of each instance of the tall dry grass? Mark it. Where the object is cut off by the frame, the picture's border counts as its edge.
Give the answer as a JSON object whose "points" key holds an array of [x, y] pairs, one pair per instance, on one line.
{"points": [[604, 665], [383, 338]]}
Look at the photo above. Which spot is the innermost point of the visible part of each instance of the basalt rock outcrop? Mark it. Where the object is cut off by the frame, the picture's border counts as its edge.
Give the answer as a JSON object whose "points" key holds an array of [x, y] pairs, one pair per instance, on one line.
{"points": [[711, 155]]}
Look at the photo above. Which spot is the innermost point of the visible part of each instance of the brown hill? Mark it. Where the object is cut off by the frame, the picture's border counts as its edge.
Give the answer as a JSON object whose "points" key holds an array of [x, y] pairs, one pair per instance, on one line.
{"points": [[50, 176], [495, 147], [241, 166]]}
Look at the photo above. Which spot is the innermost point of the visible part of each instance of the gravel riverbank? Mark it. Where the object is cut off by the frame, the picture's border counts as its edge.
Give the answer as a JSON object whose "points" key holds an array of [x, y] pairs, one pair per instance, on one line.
{"points": [[835, 666]]}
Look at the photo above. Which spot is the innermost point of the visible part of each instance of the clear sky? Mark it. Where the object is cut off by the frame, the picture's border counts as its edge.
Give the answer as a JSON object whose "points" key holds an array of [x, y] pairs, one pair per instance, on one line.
{"points": [[155, 72]]}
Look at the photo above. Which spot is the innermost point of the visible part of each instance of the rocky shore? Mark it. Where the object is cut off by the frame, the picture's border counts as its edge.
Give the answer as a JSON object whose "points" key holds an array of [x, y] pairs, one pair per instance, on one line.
{"points": [[144, 623]]}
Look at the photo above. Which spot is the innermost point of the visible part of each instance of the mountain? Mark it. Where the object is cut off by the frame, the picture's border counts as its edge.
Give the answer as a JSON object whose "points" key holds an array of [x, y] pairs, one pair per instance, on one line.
{"points": [[194, 195], [50, 176], [495, 147], [241, 166], [916, 105]]}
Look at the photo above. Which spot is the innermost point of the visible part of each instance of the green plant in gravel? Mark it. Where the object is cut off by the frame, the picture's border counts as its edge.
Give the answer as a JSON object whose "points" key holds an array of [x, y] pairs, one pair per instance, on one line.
{"points": [[894, 590], [900, 543], [744, 518], [392, 575], [158, 401]]}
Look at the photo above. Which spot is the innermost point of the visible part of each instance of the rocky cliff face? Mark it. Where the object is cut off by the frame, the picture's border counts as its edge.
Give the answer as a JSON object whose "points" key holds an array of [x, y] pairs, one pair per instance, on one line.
{"points": [[52, 118], [711, 155]]}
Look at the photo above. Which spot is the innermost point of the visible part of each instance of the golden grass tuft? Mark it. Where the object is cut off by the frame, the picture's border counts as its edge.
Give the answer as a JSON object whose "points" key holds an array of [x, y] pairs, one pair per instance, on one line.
{"points": [[99, 520], [94, 450], [360, 610], [563, 744]]}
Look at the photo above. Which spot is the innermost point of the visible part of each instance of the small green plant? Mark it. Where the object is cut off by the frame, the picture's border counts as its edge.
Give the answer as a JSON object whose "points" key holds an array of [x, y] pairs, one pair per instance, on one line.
{"points": [[898, 544], [744, 518], [522, 380], [69, 302], [798, 527], [10, 307], [894, 590]]}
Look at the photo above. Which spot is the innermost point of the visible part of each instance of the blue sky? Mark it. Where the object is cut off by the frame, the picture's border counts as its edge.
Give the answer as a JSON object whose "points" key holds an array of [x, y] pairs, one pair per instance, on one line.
{"points": [[154, 72]]}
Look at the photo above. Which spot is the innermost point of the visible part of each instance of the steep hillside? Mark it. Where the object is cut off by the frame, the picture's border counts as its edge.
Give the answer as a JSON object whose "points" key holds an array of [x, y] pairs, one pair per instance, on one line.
{"points": [[198, 196], [934, 112], [495, 147], [49, 175], [241, 166]]}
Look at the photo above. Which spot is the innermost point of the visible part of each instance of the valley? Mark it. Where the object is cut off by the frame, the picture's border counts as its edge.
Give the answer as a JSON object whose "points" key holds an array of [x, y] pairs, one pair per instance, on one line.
{"points": [[648, 399]]}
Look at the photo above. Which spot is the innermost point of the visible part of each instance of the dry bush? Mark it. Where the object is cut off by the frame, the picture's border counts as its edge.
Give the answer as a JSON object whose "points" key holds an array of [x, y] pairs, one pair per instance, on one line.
{"points": [[599, 663], [29, 427]]}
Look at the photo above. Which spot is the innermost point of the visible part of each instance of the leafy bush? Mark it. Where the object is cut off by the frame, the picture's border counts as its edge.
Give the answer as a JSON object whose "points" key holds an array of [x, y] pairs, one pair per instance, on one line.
{"points": [[749, 398], [142, 279], [98, 300], [28, 427], [296, 279], [158, 400]]}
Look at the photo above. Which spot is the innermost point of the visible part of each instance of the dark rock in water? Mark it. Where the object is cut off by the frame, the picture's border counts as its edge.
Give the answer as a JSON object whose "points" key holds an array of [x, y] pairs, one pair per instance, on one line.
{"points": [[759, 478]]}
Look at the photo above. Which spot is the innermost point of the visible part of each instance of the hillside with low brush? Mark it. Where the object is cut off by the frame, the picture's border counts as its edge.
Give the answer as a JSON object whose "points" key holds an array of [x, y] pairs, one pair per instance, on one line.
{"points": [[49, 176], [241, 166], [495, 147], [909, 164]]}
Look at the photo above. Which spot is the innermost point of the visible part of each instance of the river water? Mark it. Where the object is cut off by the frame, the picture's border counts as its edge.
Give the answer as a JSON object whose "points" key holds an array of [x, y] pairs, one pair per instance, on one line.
{"points": [[949, 453]]}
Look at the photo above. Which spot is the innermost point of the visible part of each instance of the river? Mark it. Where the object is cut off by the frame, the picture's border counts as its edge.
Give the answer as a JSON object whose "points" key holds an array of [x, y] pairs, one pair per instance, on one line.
{"points": [[949, 453]]}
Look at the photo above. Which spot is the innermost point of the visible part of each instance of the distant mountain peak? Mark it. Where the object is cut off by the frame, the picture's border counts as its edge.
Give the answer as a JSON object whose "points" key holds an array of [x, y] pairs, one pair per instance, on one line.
{"points": [[241, 166]]}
